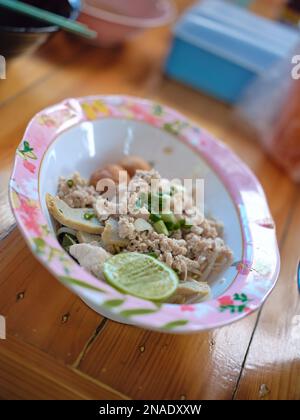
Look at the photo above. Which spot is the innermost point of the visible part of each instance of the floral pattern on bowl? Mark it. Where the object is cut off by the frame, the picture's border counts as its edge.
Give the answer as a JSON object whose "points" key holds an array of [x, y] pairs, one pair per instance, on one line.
{"points": [[255, 273]]}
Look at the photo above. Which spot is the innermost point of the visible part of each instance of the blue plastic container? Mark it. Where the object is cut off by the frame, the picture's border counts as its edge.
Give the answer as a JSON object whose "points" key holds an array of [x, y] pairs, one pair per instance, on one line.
{"points": [[220, 48]]}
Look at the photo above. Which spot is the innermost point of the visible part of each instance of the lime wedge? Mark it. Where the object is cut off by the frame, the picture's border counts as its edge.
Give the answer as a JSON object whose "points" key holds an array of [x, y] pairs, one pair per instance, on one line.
{"points": [[140, 275]]}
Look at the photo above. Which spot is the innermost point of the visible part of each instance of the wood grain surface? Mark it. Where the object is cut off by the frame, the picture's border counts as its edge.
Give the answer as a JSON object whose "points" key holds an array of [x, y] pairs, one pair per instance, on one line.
{"points": [[57, 347]]}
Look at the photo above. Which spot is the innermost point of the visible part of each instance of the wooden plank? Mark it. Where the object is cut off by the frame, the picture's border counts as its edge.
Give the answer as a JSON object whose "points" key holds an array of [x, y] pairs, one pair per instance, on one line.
{"points": [[272, 369], [267, 8], [22, 73], [27, 373], [151, 365], [134, 69], [201, 366], [26, 70], [140, 78], [38, 309]]}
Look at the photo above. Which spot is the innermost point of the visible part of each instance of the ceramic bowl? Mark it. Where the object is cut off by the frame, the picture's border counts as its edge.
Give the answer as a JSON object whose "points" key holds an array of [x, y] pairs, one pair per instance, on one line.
{"points": [[21, 34], [81, 134], [115, 21]]}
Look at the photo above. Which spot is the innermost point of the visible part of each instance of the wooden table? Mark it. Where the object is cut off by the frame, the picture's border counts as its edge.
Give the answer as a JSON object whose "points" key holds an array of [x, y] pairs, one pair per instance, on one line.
{"points": [[57, 347]]}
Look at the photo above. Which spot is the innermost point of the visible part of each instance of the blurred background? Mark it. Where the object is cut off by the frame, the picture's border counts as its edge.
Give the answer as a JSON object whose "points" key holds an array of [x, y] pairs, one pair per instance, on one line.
{"points": [[234, 66]]}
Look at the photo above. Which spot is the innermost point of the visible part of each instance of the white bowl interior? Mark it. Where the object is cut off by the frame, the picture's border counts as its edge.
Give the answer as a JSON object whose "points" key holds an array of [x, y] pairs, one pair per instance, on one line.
{"points": [[89, 145]]}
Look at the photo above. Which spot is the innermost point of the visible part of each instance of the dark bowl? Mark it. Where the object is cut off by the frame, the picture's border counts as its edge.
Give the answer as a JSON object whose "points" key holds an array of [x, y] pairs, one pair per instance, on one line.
{"points": [[20, 34]]}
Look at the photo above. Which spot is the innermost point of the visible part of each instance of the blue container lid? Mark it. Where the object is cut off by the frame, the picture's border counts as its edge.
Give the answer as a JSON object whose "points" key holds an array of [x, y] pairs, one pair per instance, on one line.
{"points": [[236, 34]]}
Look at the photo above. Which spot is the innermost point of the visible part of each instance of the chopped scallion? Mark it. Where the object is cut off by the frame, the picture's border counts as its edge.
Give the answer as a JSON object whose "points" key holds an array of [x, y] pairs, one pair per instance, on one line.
{"points": [[187, 226], [169, 218], [152, 254], [67, 241], [89, 216], [157, 202], [160, 227]]}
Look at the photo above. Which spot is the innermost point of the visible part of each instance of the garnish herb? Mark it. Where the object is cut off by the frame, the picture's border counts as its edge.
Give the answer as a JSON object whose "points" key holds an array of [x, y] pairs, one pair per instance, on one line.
{"points": [[160, 227], [164, 222], [156, 202]]}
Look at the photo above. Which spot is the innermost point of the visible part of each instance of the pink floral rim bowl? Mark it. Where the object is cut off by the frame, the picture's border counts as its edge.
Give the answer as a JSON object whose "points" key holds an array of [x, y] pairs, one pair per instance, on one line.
{"points": [[81, 134]]}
